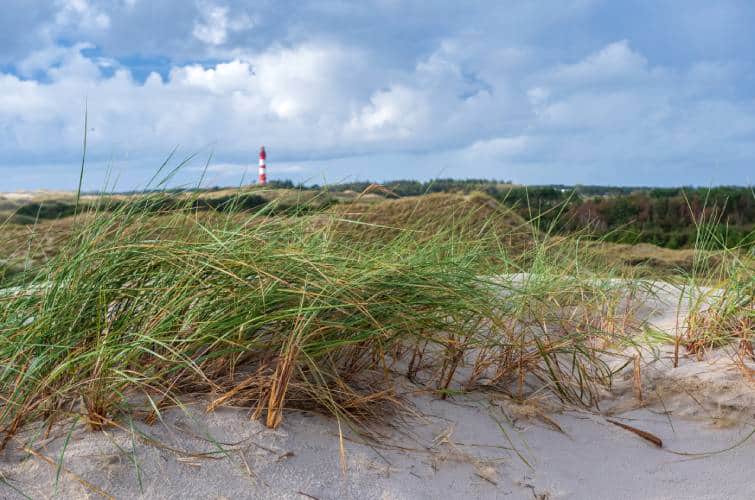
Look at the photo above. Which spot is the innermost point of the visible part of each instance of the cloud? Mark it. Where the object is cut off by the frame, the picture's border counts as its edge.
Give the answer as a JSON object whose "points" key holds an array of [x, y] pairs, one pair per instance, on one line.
{"points": [[391, 87], [81, 13], [616, 62], [320, 99], [265, 97], [214, 26], [499, 148]]}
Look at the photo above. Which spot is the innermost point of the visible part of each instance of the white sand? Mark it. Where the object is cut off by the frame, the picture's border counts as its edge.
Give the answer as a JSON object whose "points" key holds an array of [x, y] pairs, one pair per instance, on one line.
{"points": [[451, 449]]}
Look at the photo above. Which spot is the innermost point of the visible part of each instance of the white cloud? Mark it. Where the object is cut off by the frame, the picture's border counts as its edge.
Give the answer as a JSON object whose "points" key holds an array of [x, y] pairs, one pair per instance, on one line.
{"points": [[436, 104], [81, 13], [294, 96], [510, 109], [313, 80], [215, 25], [57, 63], [499, 148], [615, 62], [394, 113], [223, 78]]}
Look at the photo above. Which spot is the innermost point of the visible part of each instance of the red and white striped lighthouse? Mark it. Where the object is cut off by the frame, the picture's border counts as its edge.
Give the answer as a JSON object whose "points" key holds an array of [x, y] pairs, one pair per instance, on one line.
{"points": [[262, 179]]}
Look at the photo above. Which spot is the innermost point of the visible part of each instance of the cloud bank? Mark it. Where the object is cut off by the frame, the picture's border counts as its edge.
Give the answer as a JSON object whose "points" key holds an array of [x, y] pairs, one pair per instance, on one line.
{"points": [[340, 91]]}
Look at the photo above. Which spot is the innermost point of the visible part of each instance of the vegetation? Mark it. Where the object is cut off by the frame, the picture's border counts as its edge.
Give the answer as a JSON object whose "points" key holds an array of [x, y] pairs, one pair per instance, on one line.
{"points": [[278, 311], [665, 217], [722, 314], [7, 272], [474, 216], [247, 301]]}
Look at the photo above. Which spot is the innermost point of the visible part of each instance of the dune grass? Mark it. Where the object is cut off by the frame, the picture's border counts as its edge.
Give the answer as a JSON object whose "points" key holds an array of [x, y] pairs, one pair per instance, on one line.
{"points": [[723, 311], [144, 305], [130, 305], [137, 310]]}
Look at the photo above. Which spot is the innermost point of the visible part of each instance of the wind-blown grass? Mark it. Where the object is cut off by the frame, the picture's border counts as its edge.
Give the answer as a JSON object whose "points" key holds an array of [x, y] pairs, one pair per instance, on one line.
{"points": [[171, 305], [272, 312], [722, 313]]}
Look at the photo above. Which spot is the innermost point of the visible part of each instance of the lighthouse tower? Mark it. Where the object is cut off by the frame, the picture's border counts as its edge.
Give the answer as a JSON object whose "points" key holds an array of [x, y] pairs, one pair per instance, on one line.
{"points": [[262, 179]]}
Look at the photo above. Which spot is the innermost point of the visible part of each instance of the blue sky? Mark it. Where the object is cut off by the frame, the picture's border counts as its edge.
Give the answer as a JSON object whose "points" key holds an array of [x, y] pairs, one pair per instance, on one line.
{"points": [[643, 92]]}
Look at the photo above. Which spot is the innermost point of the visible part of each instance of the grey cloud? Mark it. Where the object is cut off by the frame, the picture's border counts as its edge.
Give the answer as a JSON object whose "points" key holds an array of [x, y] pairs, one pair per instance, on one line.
{"points": [[509, 89]]}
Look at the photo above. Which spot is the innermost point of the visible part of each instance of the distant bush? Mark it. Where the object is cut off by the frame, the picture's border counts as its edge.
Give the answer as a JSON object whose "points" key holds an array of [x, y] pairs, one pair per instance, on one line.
{"points": [[46, 210]]}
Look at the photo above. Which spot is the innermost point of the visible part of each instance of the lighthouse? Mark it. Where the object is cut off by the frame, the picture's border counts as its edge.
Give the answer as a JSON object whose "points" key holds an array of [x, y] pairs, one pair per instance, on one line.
{"points": [[262, 179]]}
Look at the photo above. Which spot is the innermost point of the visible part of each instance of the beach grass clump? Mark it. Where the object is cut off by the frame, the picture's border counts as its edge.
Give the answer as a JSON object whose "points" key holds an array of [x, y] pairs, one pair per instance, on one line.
{"points": [[144, 305], [723, 313], [721, 289], [269, 310], [563, 326]]}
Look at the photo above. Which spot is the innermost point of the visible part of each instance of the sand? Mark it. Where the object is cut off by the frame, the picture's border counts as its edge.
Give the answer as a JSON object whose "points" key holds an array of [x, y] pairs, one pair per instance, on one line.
{"points": [[478, 445]]}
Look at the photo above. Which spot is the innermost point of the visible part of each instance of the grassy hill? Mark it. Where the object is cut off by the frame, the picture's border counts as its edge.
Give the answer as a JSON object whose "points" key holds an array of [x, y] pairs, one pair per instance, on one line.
{"points": [[33, 225]]}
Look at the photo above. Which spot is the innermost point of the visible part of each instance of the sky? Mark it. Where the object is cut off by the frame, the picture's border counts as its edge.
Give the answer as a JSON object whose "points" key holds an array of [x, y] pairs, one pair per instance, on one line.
{"points": [[637, 92]]}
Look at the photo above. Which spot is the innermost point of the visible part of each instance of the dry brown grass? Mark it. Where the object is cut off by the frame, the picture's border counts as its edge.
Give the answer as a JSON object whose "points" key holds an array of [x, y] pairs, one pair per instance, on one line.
{"points": [[474, 215], [652, 257], [33, 244]]}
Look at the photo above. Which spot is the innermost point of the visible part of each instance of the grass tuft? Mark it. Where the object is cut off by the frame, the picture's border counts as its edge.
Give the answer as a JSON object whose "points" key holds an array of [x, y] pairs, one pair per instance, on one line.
{"points": [[145, 303]]}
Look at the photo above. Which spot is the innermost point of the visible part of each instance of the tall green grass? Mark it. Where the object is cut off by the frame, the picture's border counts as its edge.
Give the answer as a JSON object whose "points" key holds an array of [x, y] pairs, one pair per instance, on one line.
{"points": [[142, 307], [138, 305], [722, 288]]}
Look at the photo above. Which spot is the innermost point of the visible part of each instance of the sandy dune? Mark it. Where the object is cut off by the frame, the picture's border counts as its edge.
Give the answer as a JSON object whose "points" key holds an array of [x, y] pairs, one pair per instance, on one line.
{"points": [[479, 445]]}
